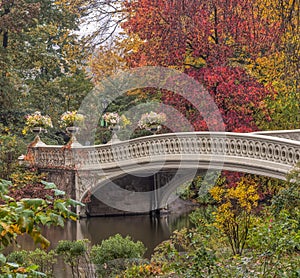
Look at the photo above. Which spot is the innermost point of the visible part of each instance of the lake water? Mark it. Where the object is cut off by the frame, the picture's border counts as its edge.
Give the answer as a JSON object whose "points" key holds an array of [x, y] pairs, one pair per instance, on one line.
{"points": [[150, 230]]}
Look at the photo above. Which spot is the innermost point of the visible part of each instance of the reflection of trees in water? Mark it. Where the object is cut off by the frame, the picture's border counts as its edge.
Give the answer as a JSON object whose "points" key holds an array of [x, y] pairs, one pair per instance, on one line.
{"points": [[179, 221], [150, 230]]}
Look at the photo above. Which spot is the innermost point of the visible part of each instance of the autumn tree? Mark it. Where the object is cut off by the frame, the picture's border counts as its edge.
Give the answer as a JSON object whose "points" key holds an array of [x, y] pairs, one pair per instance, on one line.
{"points": [[279, 66], [233, 215], [107, 61], [209, 41], [260, 37]]}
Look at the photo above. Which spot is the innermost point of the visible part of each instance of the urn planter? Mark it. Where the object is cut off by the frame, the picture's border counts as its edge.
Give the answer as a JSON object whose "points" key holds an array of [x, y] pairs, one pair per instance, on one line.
{"points": [[37, 142], [72, 132]]}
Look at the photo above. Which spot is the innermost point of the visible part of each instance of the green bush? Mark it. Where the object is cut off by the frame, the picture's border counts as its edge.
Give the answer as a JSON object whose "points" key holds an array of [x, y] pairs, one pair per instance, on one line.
{"points": [[186, 254], [276, 236], [114, 253], [45, 260], [253, 266], [288, 199], [76, 254], [19, 257], [42, 260]]}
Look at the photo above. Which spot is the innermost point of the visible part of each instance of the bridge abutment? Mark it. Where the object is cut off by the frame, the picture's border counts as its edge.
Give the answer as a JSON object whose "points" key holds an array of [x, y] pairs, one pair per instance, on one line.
{"points": [[64, 180]]}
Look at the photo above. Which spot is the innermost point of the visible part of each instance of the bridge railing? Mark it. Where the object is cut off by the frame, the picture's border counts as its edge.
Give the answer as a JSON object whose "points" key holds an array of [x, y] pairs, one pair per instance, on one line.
{"points": [[287, 134], [170, 146]]}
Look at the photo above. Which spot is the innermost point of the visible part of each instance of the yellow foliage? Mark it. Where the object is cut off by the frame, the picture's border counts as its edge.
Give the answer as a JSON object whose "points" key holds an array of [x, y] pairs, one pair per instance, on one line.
{"points": [[245, 193], [74, 6], [277, 66], [233, 214], [112, 58], [21, 178], [217, 193], [9, 229], [105, 63], [224, 216], [190, 60], [243, 196]]}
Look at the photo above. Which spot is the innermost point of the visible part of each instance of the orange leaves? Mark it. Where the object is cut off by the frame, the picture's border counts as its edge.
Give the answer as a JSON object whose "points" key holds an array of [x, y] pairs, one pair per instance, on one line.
{"points": [[214, 42], [109, 60], [214, 30]]}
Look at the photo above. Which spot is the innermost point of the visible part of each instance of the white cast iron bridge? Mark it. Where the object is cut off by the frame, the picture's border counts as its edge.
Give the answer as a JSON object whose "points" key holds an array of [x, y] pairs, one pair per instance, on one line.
{"points": [[94, 168]]}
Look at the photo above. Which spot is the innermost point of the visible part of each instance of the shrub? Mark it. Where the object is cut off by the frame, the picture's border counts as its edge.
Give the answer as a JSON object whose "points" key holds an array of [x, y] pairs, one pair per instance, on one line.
{"points": [[44, 261], [185, 254], [23, 176], [143, 270], [112, 255], [234, 212], [27, 215], [76, 254], [19, 257]]}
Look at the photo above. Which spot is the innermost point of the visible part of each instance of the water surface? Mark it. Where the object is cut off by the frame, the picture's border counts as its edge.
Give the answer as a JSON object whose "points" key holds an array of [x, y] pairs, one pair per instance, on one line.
{"points": [[150, 230]]}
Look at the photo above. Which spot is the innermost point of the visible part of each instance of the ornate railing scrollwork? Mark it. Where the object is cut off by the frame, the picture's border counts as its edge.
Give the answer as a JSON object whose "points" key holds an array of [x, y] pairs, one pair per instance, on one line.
{"points": [[279, 151]]}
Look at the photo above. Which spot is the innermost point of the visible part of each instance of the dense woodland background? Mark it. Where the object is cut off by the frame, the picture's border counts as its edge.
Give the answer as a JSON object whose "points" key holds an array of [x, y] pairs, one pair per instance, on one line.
{"points": [[245, 52]]}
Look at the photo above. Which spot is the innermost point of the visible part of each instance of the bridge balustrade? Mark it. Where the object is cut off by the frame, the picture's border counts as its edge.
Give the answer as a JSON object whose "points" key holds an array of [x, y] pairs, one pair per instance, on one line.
{"points": [[284, 152]]}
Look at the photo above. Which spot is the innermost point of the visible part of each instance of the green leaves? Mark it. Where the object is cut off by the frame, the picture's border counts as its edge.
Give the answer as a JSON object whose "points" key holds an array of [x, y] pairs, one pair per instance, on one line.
{"points": [[49, 185], [74, 203], [112, 254], [10, 269], [27, 214], [59, 192], [41, 57], [4, 184], [2, 258], [44, 219], [33, 203]]}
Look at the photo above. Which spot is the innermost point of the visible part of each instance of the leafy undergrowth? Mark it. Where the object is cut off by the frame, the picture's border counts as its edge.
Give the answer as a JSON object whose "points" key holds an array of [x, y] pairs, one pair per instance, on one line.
{"points": [[232, 238]]}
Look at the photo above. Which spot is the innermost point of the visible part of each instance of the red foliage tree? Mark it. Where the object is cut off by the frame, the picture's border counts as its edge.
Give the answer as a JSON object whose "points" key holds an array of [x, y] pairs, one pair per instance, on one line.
{"points": [[210, 41]]}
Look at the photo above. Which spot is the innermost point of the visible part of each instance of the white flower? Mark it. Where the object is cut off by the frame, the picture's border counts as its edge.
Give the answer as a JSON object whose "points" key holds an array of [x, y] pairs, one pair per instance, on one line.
{"points": [[111, 118], [151, 118]]}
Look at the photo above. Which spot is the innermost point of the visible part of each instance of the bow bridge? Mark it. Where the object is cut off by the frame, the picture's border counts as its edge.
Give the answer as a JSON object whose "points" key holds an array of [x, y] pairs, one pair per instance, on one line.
{"points": [[142, 174]]}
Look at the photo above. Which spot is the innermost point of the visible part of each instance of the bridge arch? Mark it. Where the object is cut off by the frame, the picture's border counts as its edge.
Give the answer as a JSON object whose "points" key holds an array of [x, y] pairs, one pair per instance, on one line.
{"points": [[188, 152], [249, 153]]}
